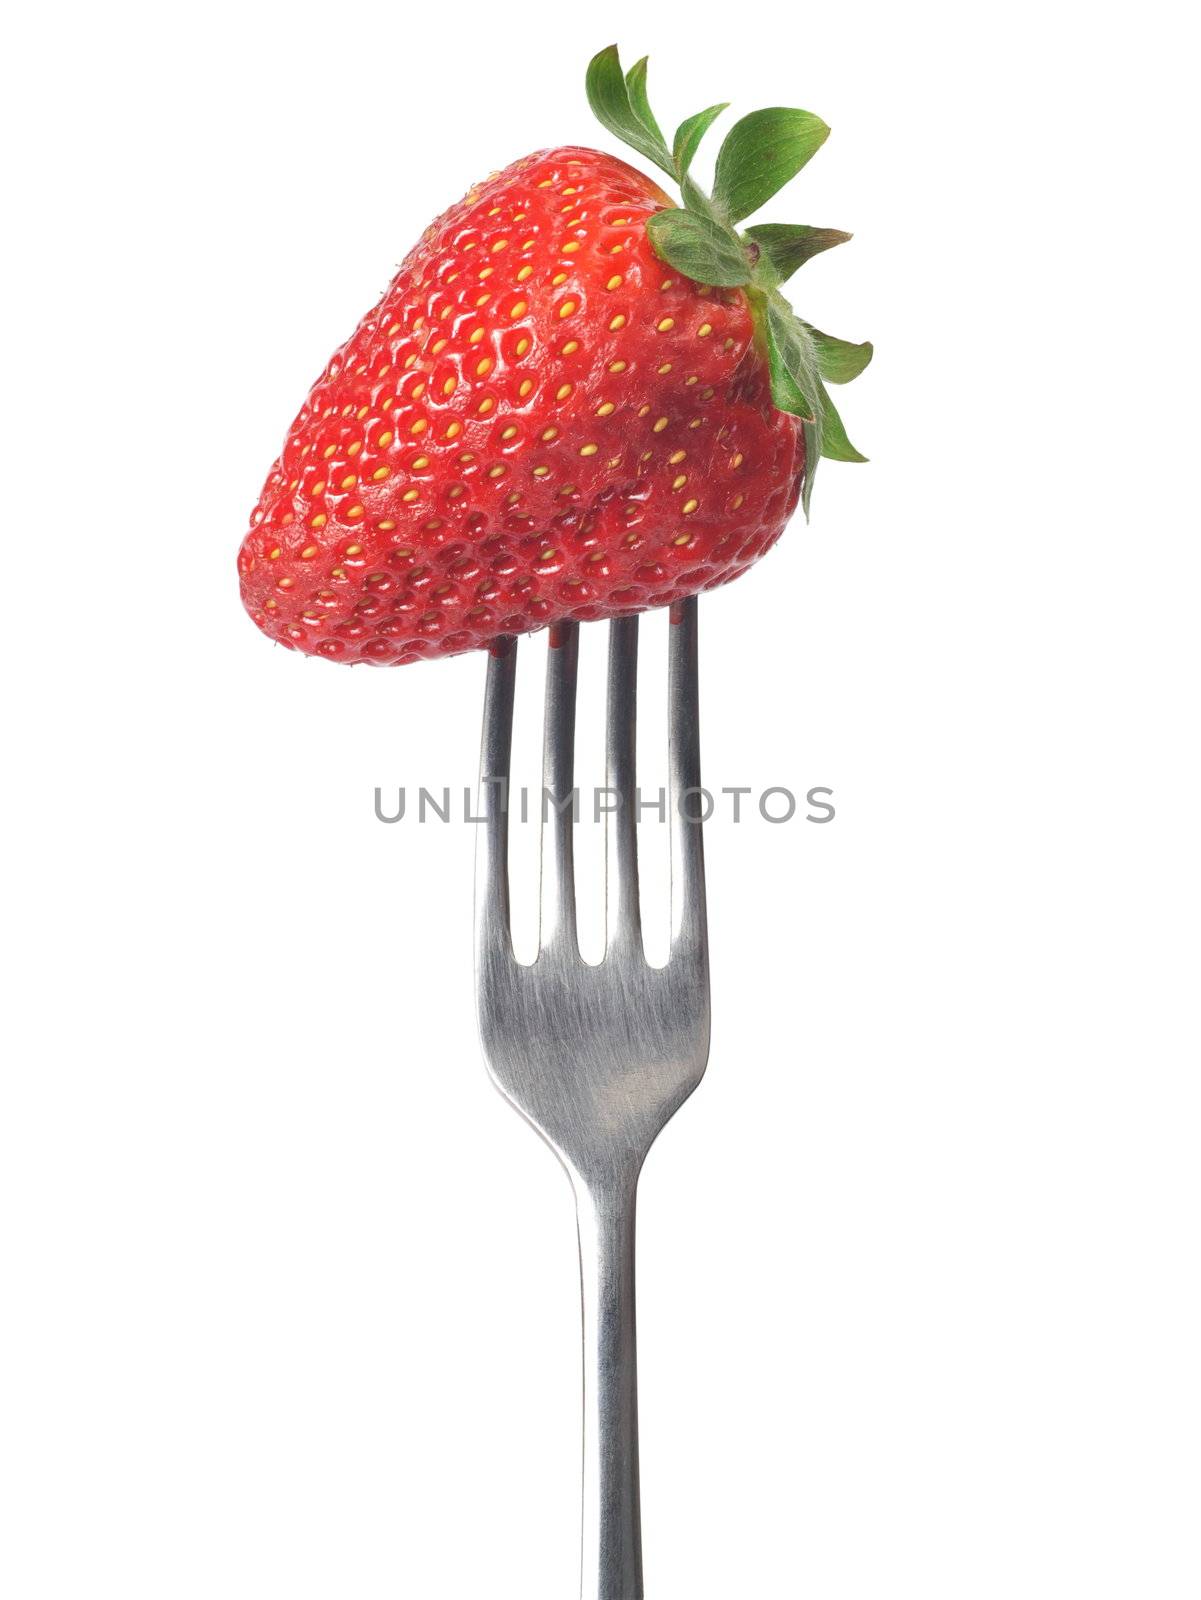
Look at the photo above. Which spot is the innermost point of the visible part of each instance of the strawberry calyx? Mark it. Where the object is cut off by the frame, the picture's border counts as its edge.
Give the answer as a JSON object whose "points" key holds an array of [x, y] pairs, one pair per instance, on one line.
{"points": [[701, 239]]}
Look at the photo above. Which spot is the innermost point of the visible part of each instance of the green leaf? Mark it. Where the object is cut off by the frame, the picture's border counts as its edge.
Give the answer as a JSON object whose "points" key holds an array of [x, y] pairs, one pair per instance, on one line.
{"points": [[689, 135], [609, 98], [639, 102], [792, 360], [789, 245], [838, 361], [834, 441], [813, 454], [698, 201], [699, 247], [760, 154]]}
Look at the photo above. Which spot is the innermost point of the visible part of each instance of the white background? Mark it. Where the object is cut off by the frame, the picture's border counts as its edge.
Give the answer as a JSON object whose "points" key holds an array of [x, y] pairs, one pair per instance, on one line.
{"points": [[290, 1301]]}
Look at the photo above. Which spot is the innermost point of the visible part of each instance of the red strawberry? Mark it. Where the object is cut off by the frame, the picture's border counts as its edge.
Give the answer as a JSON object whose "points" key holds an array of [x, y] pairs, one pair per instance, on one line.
{"points": [[573, 401]]}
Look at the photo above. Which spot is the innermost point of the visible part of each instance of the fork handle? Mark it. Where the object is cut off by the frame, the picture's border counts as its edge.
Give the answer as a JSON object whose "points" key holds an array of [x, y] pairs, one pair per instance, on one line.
{"points": [[611, 1560]]}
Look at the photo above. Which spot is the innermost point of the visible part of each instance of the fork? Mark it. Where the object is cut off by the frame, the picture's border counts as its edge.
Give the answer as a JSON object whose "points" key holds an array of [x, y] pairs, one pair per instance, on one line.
{"points": [[598, 1058]]}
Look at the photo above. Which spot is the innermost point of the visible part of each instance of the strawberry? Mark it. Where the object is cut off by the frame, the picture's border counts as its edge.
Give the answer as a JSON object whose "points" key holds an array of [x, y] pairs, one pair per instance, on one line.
{"points": [[574, 400]]}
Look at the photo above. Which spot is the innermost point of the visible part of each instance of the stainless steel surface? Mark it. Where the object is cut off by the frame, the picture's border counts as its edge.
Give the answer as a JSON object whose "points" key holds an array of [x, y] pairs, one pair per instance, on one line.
{"points": [[597, 1058]]}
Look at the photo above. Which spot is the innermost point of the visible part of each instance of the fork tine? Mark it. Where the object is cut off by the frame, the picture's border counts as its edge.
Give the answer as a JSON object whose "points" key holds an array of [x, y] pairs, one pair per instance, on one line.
{"points": [[492, 842], [558, 766], [621, 835], [684, 762]]}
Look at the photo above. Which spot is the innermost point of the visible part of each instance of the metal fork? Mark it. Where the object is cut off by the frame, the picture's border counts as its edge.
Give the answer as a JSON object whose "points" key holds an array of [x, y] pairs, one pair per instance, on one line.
{"points": [[598, 1058]]}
